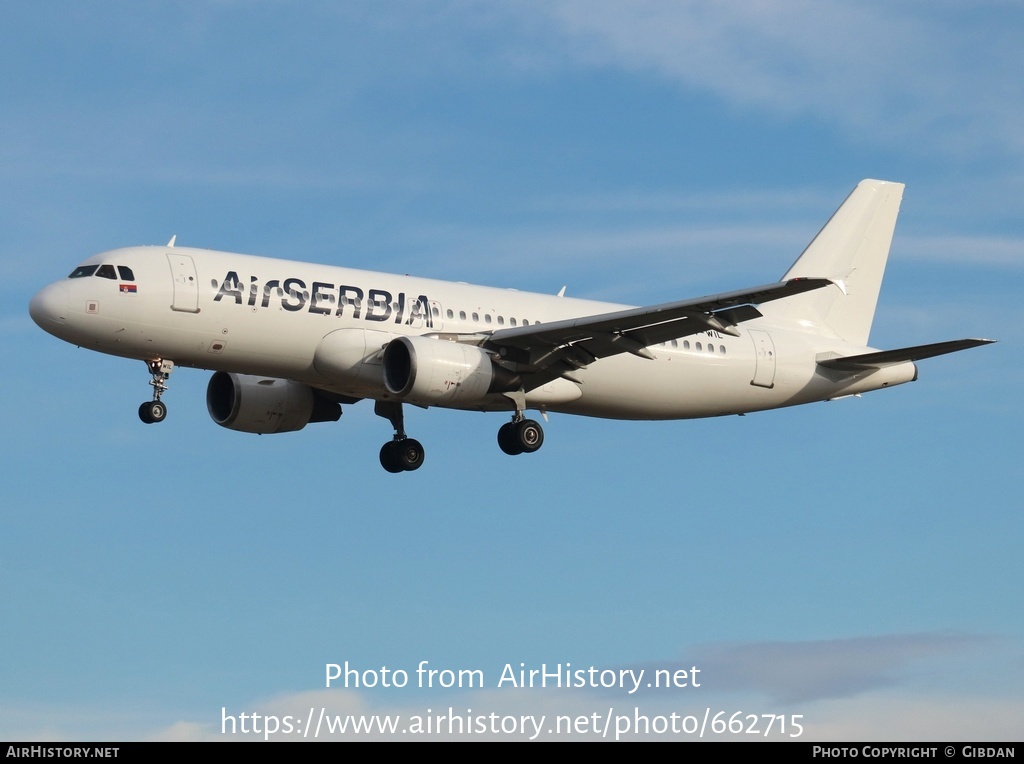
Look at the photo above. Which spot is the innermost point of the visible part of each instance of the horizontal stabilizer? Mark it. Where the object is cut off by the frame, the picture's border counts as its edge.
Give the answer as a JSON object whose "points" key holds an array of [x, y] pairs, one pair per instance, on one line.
{"points": [[900, 355]]}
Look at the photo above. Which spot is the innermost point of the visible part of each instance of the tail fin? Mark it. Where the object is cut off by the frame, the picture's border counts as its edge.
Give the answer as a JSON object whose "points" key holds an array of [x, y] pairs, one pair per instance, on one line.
{"points": [[851, 251]]}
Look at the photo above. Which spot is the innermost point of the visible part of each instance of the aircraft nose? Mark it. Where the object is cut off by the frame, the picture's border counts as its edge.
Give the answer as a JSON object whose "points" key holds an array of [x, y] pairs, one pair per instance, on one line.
{"points": [[49, 306]]}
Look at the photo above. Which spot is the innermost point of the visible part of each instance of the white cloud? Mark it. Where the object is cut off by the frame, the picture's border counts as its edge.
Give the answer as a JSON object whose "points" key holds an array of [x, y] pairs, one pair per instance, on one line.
{"points": [[947, 78], [1002, 251], [791, 672], [886, 688], [895, 718]]}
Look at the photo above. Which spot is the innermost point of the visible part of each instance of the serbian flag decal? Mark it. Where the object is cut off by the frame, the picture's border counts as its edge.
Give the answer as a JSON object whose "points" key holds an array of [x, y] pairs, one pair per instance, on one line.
{"points": [[129, 289]]}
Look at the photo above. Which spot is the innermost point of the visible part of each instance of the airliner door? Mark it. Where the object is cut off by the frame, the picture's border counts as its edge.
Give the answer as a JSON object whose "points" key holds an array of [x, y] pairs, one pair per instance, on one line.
{"points": [[186, 286], [436, 317], [764, 355]]}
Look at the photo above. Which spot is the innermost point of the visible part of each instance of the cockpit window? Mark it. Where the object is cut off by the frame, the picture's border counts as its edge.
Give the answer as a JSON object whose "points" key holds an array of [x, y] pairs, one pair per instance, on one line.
{"points": [[82, 271], [126, 273], [106, 272]]}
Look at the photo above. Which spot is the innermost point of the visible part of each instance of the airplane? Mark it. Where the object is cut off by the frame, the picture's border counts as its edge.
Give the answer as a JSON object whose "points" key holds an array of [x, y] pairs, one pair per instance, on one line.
{"points": [[290, 343]]}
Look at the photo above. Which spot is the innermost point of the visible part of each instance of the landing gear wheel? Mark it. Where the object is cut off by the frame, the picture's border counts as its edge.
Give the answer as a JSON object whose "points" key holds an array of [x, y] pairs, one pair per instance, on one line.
{"points": [[157, 411], [410, 454], [401, 455], [152, 412], [389, 457], [507, 439], [522, 437], [529, 435]]}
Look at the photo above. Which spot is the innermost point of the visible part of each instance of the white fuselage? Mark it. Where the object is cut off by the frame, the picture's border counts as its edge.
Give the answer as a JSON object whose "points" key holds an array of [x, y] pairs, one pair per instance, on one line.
{"points": [[262, 316]]}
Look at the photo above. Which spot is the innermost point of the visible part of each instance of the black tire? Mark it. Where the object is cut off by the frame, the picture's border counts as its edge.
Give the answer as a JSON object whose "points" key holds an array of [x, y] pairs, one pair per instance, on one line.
{"points": [[144, 414], [507, 439], [389, 457], [529, 435]]}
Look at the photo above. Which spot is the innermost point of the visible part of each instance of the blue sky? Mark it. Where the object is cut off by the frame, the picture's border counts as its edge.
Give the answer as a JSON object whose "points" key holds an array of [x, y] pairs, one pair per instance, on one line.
{"points": [[856, 562]]}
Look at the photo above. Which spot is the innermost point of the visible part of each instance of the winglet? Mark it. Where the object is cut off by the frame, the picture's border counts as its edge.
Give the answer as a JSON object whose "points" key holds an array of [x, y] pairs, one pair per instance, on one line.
{"points": [[171, 242]]}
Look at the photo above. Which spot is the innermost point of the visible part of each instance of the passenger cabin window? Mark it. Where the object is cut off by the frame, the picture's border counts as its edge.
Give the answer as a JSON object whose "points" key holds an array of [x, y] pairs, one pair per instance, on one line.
{"points": [[126, 273], [82, 271], [106, 272]]}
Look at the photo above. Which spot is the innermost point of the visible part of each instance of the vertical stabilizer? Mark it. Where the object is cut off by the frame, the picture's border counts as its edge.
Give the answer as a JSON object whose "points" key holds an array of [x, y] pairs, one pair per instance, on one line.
{"points": [[851, 250]]}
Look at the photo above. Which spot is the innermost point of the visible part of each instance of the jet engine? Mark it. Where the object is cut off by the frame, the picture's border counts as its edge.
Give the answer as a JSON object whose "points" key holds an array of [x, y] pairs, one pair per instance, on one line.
{"points": [[433, 372], [265, 405]]}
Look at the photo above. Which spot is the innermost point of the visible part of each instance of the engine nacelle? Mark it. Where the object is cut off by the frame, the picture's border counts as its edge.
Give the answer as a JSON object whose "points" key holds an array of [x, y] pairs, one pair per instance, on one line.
{"points": [[265, 405], [435, 372]]}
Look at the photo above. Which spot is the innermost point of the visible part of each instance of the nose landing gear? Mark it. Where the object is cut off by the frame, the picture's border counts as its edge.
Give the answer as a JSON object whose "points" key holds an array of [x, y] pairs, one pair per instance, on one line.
{"points": [[154, 411]]}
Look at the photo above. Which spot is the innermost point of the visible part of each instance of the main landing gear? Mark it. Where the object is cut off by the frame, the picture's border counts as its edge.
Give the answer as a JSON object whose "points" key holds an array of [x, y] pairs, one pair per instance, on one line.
{"points": [[520, 436], [155, 410], [402, 454], [405, 454]]}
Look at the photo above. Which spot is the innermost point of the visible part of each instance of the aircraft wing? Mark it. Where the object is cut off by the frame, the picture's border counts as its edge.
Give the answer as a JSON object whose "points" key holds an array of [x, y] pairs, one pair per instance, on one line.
{"points": [[549, 350]]}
